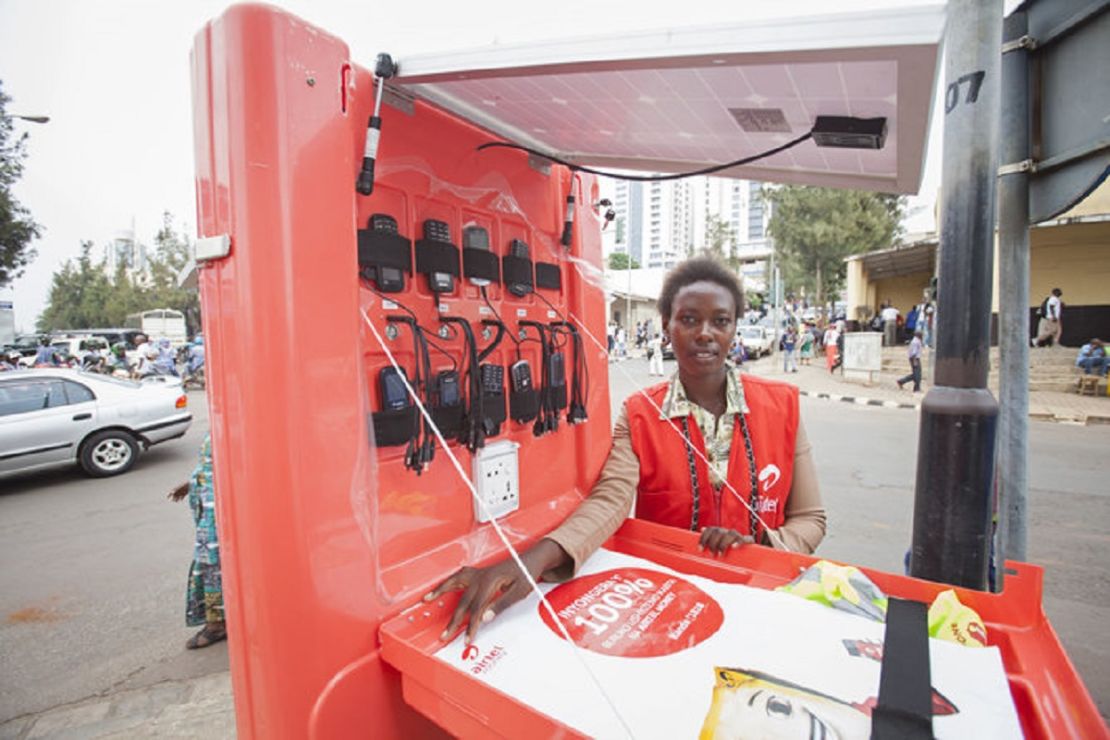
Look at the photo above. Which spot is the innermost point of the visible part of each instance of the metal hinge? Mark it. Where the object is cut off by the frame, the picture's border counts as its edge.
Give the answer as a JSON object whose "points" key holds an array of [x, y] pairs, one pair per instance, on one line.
{"points": [[1026, 42], [1025, 165]]}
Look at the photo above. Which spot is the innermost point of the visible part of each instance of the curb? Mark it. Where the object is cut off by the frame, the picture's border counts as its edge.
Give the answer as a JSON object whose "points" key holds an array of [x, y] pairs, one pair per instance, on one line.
{"points": [[860, 401]]}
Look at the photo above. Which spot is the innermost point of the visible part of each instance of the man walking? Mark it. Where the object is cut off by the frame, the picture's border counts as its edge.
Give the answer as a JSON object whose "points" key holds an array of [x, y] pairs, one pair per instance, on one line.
{"points": [[1050, 327], [914, 354]]}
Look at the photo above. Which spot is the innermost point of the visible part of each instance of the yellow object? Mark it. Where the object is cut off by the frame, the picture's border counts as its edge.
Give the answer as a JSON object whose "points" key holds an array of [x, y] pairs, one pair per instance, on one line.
{"points": [[950, 620], [839, 586]]}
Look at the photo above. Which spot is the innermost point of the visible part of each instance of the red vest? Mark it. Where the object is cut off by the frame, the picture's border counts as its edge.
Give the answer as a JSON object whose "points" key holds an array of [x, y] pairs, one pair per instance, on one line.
{"points": [[665, 495]]}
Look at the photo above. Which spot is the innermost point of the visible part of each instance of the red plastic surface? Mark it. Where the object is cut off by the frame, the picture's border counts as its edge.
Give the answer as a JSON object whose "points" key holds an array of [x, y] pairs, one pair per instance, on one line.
{"points": [[323, 536], [1051, 700]]}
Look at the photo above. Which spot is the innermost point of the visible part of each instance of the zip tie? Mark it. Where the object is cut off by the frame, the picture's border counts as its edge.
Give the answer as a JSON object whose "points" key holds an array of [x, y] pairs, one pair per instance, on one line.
{"points": [[500, 533]]}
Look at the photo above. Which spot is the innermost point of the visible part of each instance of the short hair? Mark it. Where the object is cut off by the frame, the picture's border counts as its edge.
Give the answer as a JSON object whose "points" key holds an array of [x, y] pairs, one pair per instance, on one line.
{"points": [[1057, 292], [697, 270]]}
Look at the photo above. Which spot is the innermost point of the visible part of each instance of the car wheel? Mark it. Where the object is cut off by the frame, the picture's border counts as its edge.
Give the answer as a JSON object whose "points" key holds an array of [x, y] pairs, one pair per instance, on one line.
{"points": [[109, 452]]}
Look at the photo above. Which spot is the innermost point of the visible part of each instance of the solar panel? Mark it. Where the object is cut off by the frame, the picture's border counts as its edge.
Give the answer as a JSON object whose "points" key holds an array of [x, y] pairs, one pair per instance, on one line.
{"points": [[682, 99]]}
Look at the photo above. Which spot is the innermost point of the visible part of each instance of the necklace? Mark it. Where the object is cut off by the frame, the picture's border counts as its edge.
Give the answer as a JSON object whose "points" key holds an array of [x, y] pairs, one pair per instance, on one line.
{"points": [[753, 521]]}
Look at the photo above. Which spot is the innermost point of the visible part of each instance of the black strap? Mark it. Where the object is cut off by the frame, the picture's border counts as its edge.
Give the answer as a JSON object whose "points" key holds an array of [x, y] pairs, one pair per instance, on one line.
{"points": [[481, 264], [435, 256], [548, 276], [905, 706], [384, 249], [693, 473]]}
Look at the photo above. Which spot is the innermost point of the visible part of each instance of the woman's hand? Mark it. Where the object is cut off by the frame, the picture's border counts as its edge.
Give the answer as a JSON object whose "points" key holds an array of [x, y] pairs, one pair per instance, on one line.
{"points": [[489, 591], [179, 493], [719, 540]]}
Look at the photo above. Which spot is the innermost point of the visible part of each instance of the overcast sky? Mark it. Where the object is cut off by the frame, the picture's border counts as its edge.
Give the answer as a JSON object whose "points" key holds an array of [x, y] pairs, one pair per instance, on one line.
{"points": [[113, 75]]}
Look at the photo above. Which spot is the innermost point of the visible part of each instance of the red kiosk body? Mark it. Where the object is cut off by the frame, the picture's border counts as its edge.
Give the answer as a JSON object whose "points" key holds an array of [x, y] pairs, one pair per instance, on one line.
{"points": [[329, 541]]}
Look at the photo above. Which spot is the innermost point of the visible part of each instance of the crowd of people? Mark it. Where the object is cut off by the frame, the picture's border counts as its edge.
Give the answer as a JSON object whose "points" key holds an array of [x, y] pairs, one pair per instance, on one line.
{"points": [[141, 358]]}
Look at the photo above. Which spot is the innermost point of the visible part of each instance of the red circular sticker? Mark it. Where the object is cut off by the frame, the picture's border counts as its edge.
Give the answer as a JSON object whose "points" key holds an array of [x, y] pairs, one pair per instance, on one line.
{"points": [[633, 613]]}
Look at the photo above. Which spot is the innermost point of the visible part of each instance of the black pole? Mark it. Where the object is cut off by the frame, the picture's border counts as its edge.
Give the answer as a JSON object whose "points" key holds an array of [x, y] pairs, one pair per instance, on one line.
{"points": [[953, 497]]}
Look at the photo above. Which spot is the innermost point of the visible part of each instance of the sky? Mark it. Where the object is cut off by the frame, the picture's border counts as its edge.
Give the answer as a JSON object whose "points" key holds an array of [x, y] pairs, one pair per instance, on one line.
{"points": [[113, 76]]}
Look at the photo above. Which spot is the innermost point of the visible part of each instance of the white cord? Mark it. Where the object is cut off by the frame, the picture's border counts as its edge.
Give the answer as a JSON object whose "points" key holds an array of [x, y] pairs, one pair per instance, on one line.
{"points": [[497, 528]]}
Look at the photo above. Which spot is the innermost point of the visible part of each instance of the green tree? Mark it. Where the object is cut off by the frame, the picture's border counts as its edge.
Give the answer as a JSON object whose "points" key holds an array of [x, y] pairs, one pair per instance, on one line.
{"points": [[78, 294], [17, 228], [720, 241], [816, 228], [619, 261], [172, 252]]}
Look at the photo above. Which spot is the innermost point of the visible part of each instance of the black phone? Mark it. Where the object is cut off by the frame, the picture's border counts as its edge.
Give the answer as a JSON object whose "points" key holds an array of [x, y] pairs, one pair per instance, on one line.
{"points": [[439, 231], [521, 375], [447, 388], [389, 279], [517, 248], [556, 369], [391, 382], [476, 237]]}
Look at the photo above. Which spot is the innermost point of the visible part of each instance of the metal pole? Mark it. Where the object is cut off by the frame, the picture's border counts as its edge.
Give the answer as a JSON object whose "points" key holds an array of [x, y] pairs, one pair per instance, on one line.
{"points": [[955, 462], [628, 339], [1013, 303]]}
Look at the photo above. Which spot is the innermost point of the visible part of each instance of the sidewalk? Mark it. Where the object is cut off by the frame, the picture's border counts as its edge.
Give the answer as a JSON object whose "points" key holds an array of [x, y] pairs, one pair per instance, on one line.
{"points": [[198, 707], [815, 381]]}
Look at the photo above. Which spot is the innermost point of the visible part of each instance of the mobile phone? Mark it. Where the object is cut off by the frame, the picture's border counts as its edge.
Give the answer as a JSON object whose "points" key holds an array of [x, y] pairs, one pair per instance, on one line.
{"points": [[389, 279], [517, 248], [447, 388], [391, 382], [493, 379], [556, 369], [439, 231], [521, 375], [476, 237]]}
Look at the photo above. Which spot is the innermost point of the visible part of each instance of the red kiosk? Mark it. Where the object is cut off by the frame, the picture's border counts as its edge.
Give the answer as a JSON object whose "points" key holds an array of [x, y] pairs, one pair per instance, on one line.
{"points": [[329, 534]]}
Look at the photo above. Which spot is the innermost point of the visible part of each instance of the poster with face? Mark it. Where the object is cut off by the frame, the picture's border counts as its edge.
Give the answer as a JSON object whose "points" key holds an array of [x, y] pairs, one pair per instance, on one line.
{"points": [[671, 655]]}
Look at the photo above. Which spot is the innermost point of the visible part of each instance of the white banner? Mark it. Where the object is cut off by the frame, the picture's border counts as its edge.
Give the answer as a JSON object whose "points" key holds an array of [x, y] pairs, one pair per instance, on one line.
{"points": [[685, 657]]}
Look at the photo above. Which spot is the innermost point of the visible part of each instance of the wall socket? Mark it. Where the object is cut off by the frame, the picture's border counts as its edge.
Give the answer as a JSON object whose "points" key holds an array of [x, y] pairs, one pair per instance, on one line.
{"points": [[497, 480]]}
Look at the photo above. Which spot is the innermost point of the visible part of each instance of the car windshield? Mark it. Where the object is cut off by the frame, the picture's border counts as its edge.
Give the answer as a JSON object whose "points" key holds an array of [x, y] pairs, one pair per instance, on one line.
{"points": [[751, 332]]}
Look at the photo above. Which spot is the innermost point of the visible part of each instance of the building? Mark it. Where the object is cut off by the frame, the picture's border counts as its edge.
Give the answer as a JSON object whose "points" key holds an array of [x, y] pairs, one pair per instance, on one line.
{"points": [[124, 250], [661, 223]]}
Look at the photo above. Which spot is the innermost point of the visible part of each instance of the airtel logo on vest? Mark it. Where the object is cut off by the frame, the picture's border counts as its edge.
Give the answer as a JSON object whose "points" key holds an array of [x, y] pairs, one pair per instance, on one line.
{"points": [[769, 476]]}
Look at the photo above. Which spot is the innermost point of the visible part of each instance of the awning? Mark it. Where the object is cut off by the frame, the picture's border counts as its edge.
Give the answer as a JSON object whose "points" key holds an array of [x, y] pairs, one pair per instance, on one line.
{"points": [[682, 99], [907, 260]]}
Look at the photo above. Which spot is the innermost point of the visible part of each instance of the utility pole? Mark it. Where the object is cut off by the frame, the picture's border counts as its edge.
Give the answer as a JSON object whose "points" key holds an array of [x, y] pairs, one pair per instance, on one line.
{"points": [[1013, 303], [953, 495]]}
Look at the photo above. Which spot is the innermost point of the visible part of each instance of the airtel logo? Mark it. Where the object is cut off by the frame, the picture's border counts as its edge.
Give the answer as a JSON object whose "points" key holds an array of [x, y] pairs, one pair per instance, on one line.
{"points": [[769, 476]]}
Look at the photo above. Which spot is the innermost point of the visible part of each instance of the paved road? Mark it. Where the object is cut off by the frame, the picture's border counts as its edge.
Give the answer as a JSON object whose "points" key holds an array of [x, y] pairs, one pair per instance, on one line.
{"points": [[92, 582], [93, 575]]}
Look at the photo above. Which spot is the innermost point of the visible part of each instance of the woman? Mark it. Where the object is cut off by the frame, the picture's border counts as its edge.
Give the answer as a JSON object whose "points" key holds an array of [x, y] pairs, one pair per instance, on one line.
{"points": [[805, 352], [832, 337], [749, 431], [204, 596]]}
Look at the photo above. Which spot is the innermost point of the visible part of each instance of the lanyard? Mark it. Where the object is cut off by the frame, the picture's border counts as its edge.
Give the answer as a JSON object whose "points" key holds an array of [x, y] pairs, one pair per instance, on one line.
{"points": [[753, 496]]}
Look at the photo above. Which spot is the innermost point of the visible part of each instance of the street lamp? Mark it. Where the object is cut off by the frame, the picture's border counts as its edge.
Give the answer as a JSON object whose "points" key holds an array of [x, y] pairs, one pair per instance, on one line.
{"points": [[34, 119]]}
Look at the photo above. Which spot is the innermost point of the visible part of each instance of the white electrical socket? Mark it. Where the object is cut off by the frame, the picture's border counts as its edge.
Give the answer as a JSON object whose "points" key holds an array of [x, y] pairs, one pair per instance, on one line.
{"points": [[497, 480]]}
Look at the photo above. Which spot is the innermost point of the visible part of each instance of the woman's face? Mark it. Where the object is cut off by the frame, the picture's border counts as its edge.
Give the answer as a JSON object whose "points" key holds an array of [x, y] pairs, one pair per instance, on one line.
{"points": [[702, 327]]}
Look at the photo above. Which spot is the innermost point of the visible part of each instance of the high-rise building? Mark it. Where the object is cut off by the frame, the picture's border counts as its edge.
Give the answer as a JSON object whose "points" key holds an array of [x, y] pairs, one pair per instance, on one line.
{"points": [[124, 250]]}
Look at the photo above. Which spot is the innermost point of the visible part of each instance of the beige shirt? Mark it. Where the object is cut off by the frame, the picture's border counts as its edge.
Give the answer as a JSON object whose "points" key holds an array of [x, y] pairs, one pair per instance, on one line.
{"points": [[610, 502]]}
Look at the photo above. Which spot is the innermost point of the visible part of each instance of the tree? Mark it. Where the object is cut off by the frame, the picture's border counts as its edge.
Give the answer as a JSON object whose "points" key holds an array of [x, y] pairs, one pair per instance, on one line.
{"points": [[619, 261], [720, 241], [816, 228], [172, 252], [17, 228], [78, 294]]}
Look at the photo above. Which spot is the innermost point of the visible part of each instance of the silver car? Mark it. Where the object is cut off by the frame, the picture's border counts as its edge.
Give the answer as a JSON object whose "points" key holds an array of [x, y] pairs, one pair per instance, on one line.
{"points": [[60, 417]]}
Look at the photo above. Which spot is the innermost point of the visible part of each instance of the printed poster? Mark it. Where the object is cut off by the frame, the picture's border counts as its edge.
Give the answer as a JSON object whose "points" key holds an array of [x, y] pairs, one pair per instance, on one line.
{"points": [[680, 656]]}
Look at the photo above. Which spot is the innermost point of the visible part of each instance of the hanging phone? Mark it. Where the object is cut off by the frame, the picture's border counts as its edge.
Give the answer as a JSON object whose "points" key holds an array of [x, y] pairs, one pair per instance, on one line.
{"points": [[447, 388], [391, 383], [521, 376], [439, 231], [517, 248], [476, 237], [389, 279]]}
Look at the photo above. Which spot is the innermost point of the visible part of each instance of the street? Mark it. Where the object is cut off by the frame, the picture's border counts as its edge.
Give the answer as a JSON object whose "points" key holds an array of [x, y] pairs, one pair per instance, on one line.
{"points": [[93, 583]]}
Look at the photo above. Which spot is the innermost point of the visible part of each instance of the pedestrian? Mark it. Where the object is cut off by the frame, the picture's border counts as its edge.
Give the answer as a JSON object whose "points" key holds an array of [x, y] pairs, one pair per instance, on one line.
{"points": [[204, 600], [47, 354], [832, 336], [622, 342], [1092, 358], [890, 324], [789, 342], [655, 355], [805, 351], [1050, 326], [914, 355], [611, 338]]}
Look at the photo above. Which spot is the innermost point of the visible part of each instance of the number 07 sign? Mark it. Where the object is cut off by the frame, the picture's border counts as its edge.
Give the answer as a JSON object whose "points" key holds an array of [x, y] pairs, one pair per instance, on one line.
{"points": [[678, 656]]}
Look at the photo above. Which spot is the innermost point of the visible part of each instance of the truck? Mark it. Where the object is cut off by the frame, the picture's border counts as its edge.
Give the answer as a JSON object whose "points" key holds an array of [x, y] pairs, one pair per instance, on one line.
{"points": [[160, 322]]}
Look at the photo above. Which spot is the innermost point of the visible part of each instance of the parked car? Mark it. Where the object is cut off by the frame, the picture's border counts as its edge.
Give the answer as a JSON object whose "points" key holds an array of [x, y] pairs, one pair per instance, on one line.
{"points": [[757, 340], [61, 417]]}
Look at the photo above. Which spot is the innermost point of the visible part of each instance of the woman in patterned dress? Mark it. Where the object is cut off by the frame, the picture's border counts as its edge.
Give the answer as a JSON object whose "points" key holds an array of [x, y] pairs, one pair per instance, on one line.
{"points": [[204, 602]]}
